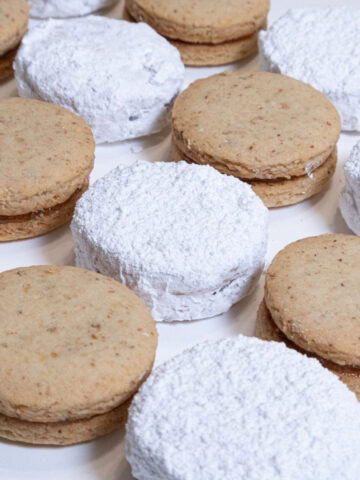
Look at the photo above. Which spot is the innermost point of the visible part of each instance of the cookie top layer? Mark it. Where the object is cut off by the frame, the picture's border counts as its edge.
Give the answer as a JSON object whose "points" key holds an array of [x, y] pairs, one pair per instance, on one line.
{"points": [[312, 292], [201, 21], [14, 16], [47, 153], [182, 228], [64, 8], [185, 420], [260, 125], [320, 47], [73, 343], [121, 93]]}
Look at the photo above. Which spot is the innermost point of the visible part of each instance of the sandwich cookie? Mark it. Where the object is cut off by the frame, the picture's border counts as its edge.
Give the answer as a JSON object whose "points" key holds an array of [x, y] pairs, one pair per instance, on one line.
{"points": [[274, 132], [188, 240], [64, 8], [121, 77], [234, 409], [320, 47], [205, 32], [311, 302], [14, 17], [349, 202], [70, 363], [47, 154]]}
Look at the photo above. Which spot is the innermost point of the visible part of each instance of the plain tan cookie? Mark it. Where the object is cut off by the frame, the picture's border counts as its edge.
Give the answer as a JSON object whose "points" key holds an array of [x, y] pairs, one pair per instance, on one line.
{"points": [[260, 125], [277, 193], [312, 291], [47, 153], [31, 225], [265, 329], [73, 343], [201, 21], [63, 433], [14, 15]]}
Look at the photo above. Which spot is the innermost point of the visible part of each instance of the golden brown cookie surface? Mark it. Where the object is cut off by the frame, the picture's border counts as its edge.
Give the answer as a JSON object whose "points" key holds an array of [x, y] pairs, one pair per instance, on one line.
{"points": [[14, 15], [73, 343]]}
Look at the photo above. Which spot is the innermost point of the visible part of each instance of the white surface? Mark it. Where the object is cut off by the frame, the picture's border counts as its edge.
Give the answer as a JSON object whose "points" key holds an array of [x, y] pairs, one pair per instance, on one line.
{"points": [[104, 459], [349, 202]]}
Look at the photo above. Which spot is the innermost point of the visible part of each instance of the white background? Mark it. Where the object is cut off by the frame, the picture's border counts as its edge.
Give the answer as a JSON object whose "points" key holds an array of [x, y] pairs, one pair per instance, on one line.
{"points": [[104, 459]]}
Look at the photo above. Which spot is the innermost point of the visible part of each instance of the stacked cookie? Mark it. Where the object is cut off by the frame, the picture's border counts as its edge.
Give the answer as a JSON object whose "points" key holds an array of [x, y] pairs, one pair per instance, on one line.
{"points": [[188, 240], [74, 348], [47, 154], [234, 410], [121, 93], [14, 16], [206, 32], [312, 303], [274, 132]]}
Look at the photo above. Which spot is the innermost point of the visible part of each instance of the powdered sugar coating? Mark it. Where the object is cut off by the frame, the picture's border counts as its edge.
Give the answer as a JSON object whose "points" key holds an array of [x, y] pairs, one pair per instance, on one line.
{"points": [[240, 409], [121, 77], [188, 240], [66, 8], [349, 202], [320, 47]]}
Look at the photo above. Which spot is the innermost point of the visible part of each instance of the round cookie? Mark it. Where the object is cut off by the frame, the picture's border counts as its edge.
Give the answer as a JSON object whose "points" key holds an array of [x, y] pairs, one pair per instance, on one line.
{"points": [[189, 241], [64, 433], [349, 202], [271, 126], [235, 409], [266, 329], [14, 16], [66, 8], [47, 156], [66, 355], [277, 193], [320, 47], [202, 21], [311, 291], [122, 92]]}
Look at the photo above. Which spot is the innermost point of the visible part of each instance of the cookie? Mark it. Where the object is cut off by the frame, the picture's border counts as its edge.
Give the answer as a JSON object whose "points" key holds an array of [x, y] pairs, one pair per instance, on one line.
{"points": [[349, 201], [125, 92], [266, 329], [286, 130], [64, 8], [206, 32], [189, 241], [235, 408], [311, 292], [320, 47], [66, 357], [283, 192], [47, 155], [14, 17]]}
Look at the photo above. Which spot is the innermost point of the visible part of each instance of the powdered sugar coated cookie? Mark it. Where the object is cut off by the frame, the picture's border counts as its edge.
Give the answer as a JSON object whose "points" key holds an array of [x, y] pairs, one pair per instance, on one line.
{"points": [[189, 240], [320, 47], [349, 202], [243, 409], [119, 76], [66, 8]]}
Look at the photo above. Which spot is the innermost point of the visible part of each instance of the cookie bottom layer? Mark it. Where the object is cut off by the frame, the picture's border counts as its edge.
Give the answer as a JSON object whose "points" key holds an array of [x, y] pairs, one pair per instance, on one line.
{"points": [[19, 227], [6, 62], [281, 192], [63, 433], [266, 329]]}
